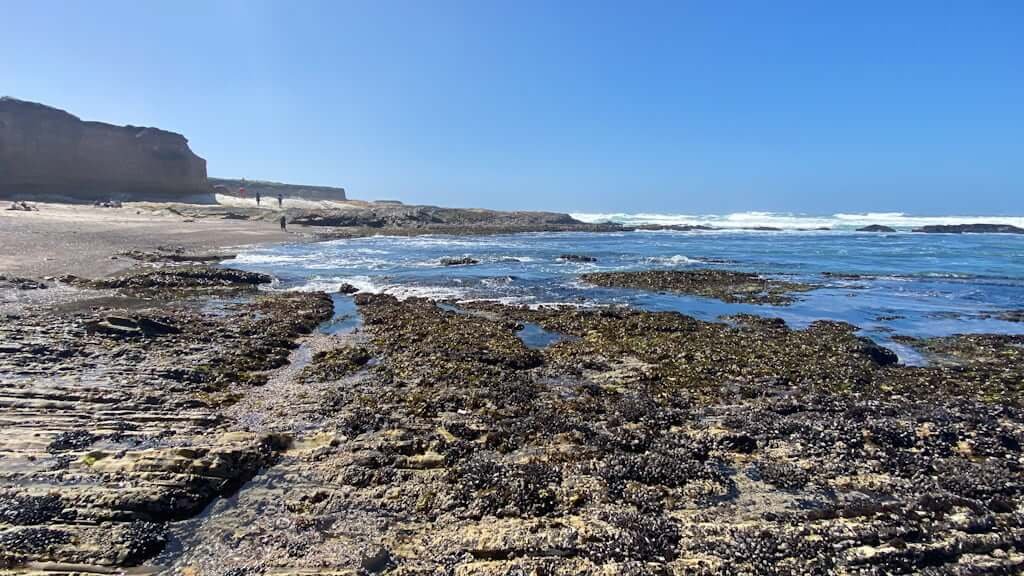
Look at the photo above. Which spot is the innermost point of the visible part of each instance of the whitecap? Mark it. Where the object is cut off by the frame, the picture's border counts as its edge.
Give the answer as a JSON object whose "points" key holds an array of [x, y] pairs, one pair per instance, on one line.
{"points": [[793, 221], [675, 260]]}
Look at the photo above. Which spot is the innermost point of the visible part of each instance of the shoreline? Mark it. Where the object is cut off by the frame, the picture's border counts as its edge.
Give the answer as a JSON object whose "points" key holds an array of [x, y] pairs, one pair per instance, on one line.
{"points": [[92, 241]]}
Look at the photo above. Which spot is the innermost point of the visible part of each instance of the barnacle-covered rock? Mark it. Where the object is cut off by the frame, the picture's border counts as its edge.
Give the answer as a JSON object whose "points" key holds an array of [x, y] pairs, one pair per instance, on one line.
{"points": [[725, 285], [336, 363], [176, 277]]}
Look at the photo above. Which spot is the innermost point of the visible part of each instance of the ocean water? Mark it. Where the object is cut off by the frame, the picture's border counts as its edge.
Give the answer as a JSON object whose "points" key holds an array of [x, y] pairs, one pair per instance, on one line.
{"points": [[789, 221], [892, 283]]}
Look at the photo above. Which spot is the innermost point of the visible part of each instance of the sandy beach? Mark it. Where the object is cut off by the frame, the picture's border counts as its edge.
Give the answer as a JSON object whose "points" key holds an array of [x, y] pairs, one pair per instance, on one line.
{"points": [[87, 240]]}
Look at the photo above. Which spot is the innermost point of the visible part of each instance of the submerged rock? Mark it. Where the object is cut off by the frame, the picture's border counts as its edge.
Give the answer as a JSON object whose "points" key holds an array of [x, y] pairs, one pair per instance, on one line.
{"points": [[1012, 316], [876, 228], [577, 258], [461, 261]]}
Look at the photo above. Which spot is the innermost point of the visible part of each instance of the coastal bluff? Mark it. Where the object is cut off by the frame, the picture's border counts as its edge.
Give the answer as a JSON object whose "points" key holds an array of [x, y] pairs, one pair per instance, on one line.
{"points": [[270, 189], [48, 154]]}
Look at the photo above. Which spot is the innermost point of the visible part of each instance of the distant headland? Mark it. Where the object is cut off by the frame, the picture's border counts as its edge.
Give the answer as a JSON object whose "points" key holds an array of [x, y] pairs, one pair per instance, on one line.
{"points": [[48, 154]]}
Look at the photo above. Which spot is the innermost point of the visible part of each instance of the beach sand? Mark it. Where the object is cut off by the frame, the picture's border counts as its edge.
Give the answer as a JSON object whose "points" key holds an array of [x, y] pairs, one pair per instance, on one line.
{"points": [[87, 240]]}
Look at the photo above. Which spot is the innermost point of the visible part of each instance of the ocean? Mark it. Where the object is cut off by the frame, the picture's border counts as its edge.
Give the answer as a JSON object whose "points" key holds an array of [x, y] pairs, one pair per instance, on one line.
{"points": [[887, 284]]}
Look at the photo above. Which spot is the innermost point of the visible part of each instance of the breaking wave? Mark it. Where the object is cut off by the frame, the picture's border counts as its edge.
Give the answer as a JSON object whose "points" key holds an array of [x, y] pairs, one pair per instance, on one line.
{"points": [[787, 221], [367, 284]]}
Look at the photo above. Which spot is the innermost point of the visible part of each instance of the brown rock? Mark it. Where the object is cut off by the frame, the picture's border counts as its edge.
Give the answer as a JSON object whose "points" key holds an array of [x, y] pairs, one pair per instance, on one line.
{"points": [[48, 153]]}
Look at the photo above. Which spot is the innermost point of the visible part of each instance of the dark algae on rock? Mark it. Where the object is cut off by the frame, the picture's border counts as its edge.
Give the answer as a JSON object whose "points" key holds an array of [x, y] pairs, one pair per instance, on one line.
{"points": [[582, 258], [970, 229], [195, 277], [434, 441], [113, 422], [725, 285], [459, 261], [335, 363], [651, 443]]}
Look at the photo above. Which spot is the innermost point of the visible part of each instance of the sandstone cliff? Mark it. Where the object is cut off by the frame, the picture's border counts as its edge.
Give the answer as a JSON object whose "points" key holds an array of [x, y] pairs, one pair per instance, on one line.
{"points": [[49, 154]]}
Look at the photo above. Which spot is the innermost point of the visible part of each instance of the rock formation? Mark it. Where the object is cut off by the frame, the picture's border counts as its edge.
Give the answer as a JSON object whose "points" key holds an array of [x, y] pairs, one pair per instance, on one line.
{"points": [[970, 229], [49, 154], [270, 190]]}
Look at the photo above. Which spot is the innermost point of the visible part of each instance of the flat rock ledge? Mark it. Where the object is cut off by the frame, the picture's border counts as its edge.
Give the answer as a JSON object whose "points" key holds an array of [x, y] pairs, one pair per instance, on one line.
{"points": [[725, 285], [112, 424], [652, 443], [434, 441]]}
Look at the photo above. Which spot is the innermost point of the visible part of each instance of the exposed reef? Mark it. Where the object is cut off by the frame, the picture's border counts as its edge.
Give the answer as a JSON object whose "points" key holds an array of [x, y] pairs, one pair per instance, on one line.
{"points": [[459, 261], [175, 277], [971, 229], [433, 440], [113, 423], [581, 258], [724, 285], [652, 443]]}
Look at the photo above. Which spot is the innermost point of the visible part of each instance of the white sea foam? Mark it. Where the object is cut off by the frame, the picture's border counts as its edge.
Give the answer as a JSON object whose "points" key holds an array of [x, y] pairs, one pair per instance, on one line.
{"points": [[257, 258], [786, 221], [367, 284], [675, 260]]}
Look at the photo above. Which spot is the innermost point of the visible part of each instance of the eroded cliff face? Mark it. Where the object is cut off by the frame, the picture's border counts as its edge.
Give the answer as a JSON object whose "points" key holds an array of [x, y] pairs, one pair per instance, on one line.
{"points": [[49, 154]]}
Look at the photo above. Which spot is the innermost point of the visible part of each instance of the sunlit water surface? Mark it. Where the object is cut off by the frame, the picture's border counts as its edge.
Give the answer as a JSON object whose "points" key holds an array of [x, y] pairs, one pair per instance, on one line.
{"points": [[889, 283]]}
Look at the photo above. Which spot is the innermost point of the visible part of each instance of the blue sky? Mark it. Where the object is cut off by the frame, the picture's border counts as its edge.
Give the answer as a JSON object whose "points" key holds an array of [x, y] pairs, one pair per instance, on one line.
{"points": [[815, 107]]}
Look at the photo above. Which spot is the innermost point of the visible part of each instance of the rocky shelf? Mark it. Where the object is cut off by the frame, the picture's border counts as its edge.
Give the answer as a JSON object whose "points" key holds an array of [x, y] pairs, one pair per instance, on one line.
{"points": [[434, 441], [725, 285]]}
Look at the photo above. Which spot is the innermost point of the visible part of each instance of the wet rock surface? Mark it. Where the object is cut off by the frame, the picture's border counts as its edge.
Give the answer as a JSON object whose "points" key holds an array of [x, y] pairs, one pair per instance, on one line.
{"points": [[970, 229], [434, 441], [1012, 316], [113, 424], [725, 285], [176, 254], [459, 261], [583, 258], [18, 283], [652, 444], [191, 277]]}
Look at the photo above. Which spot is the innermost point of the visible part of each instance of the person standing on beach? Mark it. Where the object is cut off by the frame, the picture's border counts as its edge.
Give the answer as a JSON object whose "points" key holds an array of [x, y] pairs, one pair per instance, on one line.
{"points": [[280, 200], [257, 198], [284, 224]]}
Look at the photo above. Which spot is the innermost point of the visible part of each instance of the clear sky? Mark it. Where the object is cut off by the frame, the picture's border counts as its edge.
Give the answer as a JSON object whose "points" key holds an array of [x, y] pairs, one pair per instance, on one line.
{"points": [[694, 107]]}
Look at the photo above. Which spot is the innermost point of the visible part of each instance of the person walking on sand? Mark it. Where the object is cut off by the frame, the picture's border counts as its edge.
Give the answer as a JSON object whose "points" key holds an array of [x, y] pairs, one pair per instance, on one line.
{"points": [[284, 224], [280, 200], [257, 198]]}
